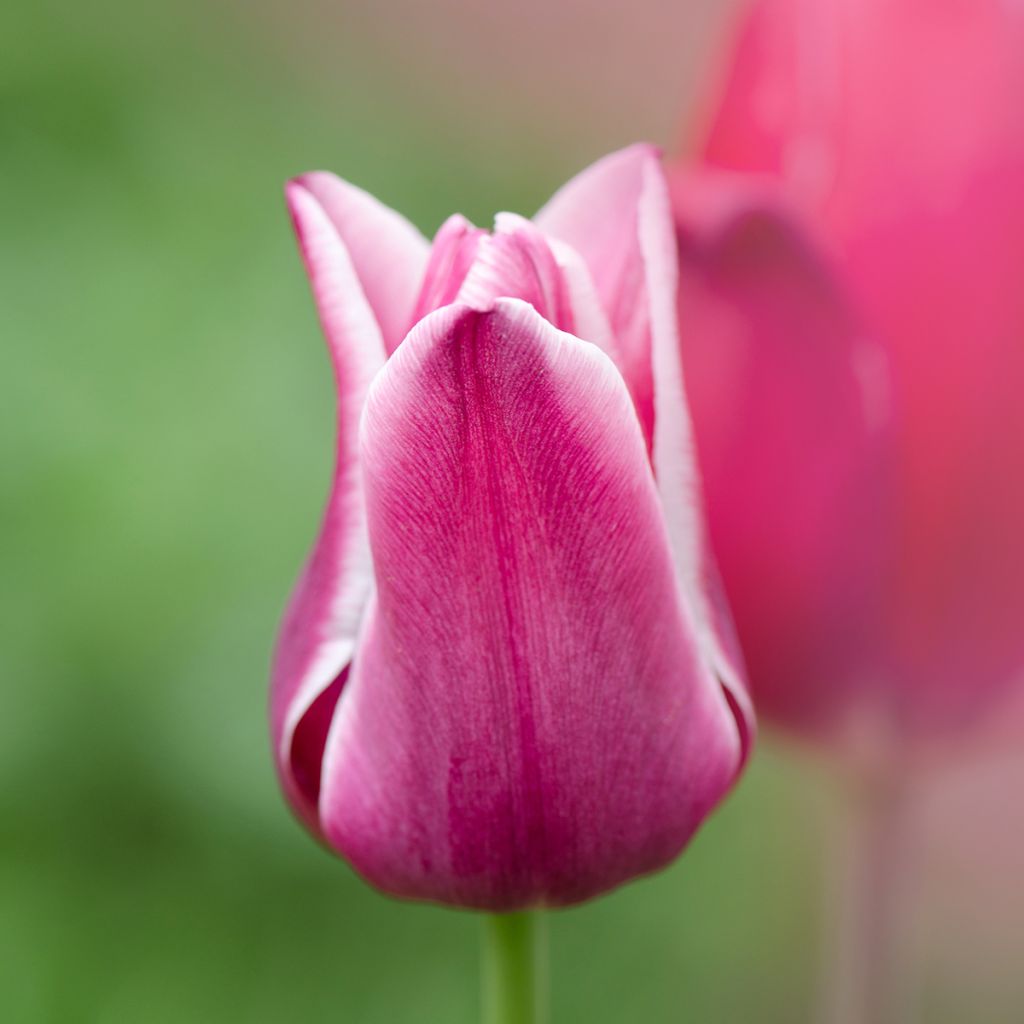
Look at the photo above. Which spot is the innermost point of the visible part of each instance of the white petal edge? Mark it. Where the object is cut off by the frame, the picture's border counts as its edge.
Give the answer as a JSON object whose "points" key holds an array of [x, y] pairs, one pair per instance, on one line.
{"points": [[355, 343], [674, 453]]}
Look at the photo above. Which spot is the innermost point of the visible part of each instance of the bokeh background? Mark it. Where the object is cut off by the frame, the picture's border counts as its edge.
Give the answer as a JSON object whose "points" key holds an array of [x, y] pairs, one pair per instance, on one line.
{"points": [[165, 448]]}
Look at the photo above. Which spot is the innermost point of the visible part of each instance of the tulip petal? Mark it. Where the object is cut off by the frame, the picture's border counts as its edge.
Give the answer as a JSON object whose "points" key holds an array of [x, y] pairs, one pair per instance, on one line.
{"points": [[589, 317], [451, 255], [617, 215], [322, 621], [388, 253], [529, 718], [517, 262], [596, 215], [792, 413], [674, 455]]}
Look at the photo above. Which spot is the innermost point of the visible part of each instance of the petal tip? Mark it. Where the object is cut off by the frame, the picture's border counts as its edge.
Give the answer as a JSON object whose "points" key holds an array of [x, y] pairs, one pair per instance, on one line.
{"points": [[302, 205]]}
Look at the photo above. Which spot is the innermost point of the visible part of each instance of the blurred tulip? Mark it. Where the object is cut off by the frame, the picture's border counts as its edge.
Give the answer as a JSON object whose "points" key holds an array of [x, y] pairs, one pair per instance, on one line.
{"points": [[502, 680], [792, 419], [895, 128]]}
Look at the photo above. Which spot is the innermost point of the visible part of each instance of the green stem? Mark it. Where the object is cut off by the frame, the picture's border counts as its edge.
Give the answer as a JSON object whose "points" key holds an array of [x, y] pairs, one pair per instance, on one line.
{"points": [[514, 955]]}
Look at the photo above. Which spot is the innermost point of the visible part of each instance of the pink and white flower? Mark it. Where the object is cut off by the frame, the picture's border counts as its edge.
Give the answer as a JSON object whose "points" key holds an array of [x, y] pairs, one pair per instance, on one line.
{"points": [[505, 677]]}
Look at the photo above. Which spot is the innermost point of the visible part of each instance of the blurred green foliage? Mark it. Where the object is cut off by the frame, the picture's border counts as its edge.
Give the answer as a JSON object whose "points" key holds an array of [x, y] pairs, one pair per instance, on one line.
{"points": [[165, 447]]}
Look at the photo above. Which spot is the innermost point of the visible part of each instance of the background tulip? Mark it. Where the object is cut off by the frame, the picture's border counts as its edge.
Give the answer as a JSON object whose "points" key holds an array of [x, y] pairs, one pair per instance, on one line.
{"points": [[793, 418], [502, 680], [895, 128]]}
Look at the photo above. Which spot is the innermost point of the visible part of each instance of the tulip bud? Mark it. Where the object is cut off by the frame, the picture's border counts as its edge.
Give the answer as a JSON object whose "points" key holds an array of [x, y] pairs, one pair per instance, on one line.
{"points": [[793, 424], [502, 680], [894, 129]]}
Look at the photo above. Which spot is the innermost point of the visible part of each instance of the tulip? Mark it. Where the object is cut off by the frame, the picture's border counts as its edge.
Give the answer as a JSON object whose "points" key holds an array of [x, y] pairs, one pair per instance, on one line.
{"points": [[891, 130], [793, 426], [894, 128], [505, 678]]}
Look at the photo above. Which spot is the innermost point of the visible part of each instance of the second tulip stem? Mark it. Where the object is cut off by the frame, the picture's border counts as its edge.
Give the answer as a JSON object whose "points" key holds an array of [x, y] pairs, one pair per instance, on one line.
{"points": [[873, 974], [514, 969]]}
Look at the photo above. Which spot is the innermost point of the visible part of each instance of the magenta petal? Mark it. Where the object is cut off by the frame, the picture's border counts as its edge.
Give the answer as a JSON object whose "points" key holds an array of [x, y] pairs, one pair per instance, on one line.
{"points": [[617, 214], [530, 718], [792, 412], [388, 253], [320, 626], [517, 261], [588, 315], [673, 454], [596, 214], [451, 255]]}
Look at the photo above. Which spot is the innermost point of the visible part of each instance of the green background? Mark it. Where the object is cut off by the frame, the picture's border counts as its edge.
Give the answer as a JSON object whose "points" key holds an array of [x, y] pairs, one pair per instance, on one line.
{"points": [[165, 445]]}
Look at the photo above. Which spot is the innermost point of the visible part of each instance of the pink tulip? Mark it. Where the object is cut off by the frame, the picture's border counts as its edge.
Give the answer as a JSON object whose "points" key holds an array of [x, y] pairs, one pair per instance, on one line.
{"points": [[896, 129], [793, 424], [502, 680]]}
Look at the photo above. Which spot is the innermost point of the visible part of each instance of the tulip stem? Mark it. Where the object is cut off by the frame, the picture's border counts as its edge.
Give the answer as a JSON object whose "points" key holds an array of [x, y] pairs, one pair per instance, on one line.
{"points": [[872, 978], [514, 962]]}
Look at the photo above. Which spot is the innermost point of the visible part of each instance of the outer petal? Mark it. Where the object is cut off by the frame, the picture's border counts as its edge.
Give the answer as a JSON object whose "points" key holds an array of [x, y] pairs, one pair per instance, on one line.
{"points": [[320, 626], [388, 253], [617, 215], [596, 214], [897, 125], [674, 457], [791, 408], [587, 311], [530, 719]]}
